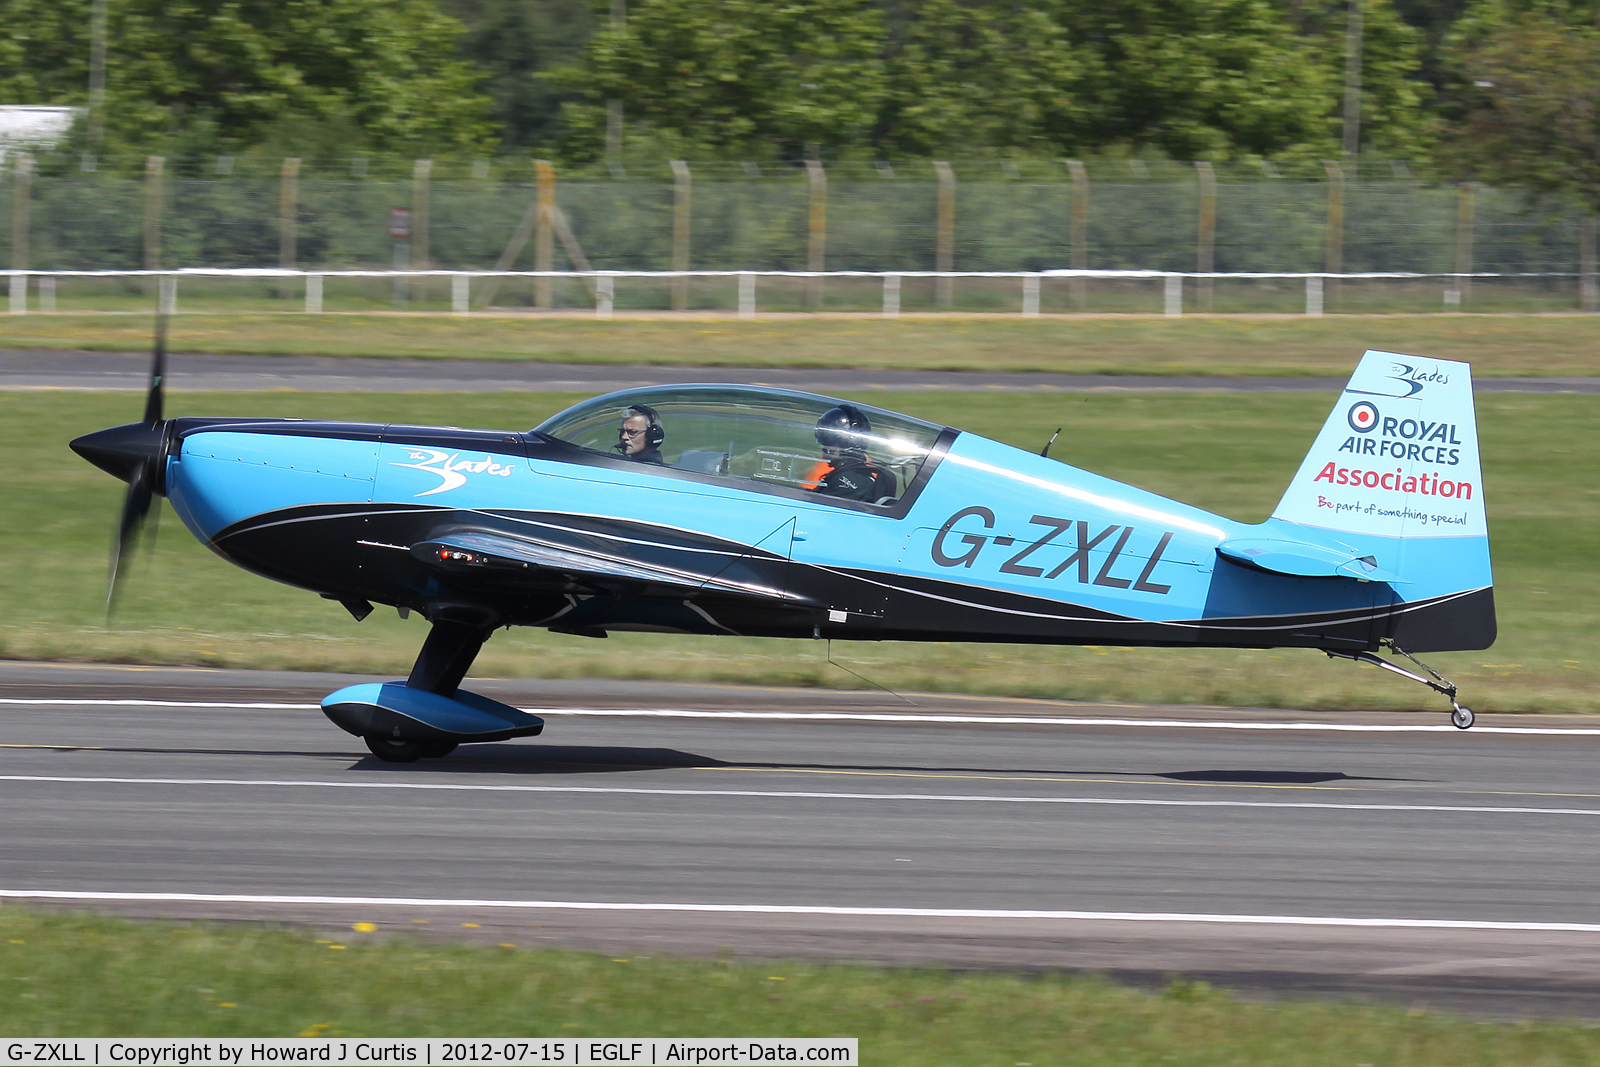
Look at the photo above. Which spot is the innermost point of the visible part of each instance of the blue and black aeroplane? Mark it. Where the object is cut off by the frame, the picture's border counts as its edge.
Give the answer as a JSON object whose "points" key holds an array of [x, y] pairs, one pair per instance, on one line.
{"points": [[732, 509]]}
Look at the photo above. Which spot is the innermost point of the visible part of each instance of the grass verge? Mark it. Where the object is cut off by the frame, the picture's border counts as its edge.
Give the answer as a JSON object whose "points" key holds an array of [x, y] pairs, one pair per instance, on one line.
{"points": [[1232, 454], [86, 976], [1283, 346]]}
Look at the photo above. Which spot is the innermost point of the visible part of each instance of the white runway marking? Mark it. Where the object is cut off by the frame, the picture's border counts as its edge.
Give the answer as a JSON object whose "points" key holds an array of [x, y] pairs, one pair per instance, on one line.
{"points": [[853, 716], [803, 909], [978, 798]]}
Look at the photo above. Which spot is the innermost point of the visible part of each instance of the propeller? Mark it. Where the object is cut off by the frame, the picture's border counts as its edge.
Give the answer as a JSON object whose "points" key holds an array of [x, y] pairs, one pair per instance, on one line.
{"points": [[136, 453]]}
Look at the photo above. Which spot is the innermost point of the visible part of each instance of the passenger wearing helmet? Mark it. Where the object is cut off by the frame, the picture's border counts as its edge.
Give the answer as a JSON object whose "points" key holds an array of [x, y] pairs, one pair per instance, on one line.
{"points": [[844, 433], [640, 436]]}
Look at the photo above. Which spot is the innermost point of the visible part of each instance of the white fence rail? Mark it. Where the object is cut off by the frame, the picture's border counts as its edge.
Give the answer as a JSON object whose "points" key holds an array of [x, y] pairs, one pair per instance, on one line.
{"points": [[602, 283]]}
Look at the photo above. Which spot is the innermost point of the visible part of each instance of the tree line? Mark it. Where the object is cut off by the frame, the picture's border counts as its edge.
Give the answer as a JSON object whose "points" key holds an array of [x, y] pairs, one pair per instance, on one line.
{"points": [[1503, 90]]}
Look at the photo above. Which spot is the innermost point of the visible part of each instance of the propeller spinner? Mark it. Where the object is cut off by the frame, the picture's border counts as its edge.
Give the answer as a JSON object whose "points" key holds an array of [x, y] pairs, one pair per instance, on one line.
{"points": [[136, 453]]}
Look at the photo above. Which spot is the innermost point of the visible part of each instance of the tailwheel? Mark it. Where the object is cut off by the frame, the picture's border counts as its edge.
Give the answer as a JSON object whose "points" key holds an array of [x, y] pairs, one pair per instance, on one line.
{"points": [[1460, 717], [391, 750]]}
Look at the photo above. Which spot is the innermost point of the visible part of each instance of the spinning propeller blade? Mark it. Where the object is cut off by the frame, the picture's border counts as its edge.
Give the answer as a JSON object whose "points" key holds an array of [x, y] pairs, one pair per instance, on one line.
{"points": [[158, 372], [140, 466]]}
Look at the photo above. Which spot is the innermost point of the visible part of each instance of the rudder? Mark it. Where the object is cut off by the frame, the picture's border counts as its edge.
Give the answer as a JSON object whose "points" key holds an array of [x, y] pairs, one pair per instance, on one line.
{"points": [[1395, 474]]}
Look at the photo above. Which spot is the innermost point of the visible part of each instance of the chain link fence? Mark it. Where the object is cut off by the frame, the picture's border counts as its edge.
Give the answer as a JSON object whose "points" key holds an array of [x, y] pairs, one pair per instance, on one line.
{"points": [[61, 216]]}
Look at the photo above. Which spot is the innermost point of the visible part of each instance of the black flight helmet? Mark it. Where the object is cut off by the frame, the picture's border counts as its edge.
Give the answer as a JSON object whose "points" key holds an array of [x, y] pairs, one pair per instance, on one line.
{"points": [[846, 428]]}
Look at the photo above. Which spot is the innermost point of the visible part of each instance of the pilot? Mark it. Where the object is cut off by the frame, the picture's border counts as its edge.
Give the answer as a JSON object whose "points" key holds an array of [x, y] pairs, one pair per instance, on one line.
{"points": [[640, 436], [844, 432]]}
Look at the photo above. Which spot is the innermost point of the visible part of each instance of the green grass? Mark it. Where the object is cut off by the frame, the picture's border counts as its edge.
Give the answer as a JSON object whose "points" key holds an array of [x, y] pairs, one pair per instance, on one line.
{"points": [[1292, 346], [1230, 453], [84, 976]]}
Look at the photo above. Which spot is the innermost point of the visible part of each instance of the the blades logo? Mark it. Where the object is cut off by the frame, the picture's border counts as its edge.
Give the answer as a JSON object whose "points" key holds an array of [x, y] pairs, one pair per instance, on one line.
{"points": [[1413, 378], [451, 472], [1363, 416]]}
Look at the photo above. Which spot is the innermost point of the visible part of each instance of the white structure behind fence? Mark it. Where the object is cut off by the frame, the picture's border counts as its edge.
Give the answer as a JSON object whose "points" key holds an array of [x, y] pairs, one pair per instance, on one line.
{"points": [[602, 283]]}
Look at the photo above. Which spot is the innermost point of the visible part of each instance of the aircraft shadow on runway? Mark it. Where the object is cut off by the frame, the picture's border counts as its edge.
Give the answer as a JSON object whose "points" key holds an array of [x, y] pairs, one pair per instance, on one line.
{"points": [[576, 759], [587, 759]]}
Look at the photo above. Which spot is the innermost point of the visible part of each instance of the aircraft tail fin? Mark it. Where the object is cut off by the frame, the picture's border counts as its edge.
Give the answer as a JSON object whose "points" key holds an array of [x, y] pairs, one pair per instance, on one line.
{"points": [[1394, 475]]}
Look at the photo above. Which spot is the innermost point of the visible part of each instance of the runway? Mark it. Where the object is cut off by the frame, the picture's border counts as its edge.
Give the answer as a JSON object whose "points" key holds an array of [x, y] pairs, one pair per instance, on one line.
{"points": [[1270, 851], [45, 369]]}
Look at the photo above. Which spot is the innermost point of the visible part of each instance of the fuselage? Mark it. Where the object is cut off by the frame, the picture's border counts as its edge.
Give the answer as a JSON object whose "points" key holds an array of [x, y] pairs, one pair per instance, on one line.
{"points": [[987, 543]]}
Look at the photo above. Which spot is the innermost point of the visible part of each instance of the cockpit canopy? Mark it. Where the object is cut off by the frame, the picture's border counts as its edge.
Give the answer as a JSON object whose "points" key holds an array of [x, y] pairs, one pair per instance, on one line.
{"points": [[747, 432]]}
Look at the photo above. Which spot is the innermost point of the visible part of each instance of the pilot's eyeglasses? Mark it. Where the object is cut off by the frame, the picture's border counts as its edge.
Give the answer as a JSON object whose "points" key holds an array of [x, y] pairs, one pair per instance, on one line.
{"points": [[625, 432]]}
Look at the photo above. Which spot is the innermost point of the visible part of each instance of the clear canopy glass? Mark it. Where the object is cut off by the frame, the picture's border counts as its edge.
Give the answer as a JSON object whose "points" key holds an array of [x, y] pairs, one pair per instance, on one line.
{"points": [[748, 432]]}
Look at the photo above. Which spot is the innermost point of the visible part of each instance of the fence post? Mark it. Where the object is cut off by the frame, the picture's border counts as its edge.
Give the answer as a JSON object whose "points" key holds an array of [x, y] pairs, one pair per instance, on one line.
{"points": [[1333, 241], [619, 19], [153, 167], [605, 296], [167, 294], [944, 256], [1030, 294], [747, 295], [460, 294], [1460, 288], [21, 217], [891, 296], [1173, 295], [682, 191], [313, 294], [1079, 231], [288, 218], [1588, 283], [421, 196], [288, 212], [1205, 258], [47, 294], [817, 227], [1313, 294], [543, 246], [97, 73]]}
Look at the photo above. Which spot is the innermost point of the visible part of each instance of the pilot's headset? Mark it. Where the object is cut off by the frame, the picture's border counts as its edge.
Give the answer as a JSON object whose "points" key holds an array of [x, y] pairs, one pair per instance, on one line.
{"points": [[654, 435], [845, 427]]}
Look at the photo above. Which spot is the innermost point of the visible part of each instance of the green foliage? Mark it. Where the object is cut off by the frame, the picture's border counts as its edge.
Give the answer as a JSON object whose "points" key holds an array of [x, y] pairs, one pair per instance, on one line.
{"points": [[198, 76], [515, 42], [1395, 117], [1191, 78], [732, 79], [1433, 20], [1526, 96], [747, 78]]}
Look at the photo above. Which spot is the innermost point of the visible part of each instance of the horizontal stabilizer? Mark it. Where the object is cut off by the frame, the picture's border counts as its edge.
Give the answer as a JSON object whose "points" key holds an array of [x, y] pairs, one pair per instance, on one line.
{"points": [[1302, 560]]}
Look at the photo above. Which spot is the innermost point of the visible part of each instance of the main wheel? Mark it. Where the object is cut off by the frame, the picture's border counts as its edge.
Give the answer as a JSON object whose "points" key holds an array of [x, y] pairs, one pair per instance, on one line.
{"points": [[438, 749], [392, 751], [1461, 718]]}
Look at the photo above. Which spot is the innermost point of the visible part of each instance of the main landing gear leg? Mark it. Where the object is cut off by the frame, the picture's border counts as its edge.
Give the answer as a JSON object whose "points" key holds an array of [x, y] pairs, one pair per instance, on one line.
{"points": [[1461, 717], [445, 658]]}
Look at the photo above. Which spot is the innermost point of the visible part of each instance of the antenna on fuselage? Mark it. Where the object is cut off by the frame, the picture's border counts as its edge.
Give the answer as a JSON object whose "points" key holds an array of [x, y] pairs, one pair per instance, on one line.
{"points": [[835, 663], [1045, 451]]}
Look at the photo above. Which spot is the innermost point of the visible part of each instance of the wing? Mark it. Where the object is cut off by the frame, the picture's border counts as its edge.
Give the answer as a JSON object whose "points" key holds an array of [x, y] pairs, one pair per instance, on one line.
{"points": [[531, 561]]}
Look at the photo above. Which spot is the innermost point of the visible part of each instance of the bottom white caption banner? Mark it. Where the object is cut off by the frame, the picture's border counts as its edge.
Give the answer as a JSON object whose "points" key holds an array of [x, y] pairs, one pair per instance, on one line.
{"points": [[426, 1052]]}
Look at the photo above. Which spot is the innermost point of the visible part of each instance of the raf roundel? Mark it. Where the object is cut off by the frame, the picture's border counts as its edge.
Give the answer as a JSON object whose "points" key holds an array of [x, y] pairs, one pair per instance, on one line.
{"points": [[1363, 416]]}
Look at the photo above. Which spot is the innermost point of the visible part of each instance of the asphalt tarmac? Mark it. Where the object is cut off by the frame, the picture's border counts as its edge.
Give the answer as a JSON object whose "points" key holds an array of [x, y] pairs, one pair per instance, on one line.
{"points": [[1277, 853], [44, 369]]}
